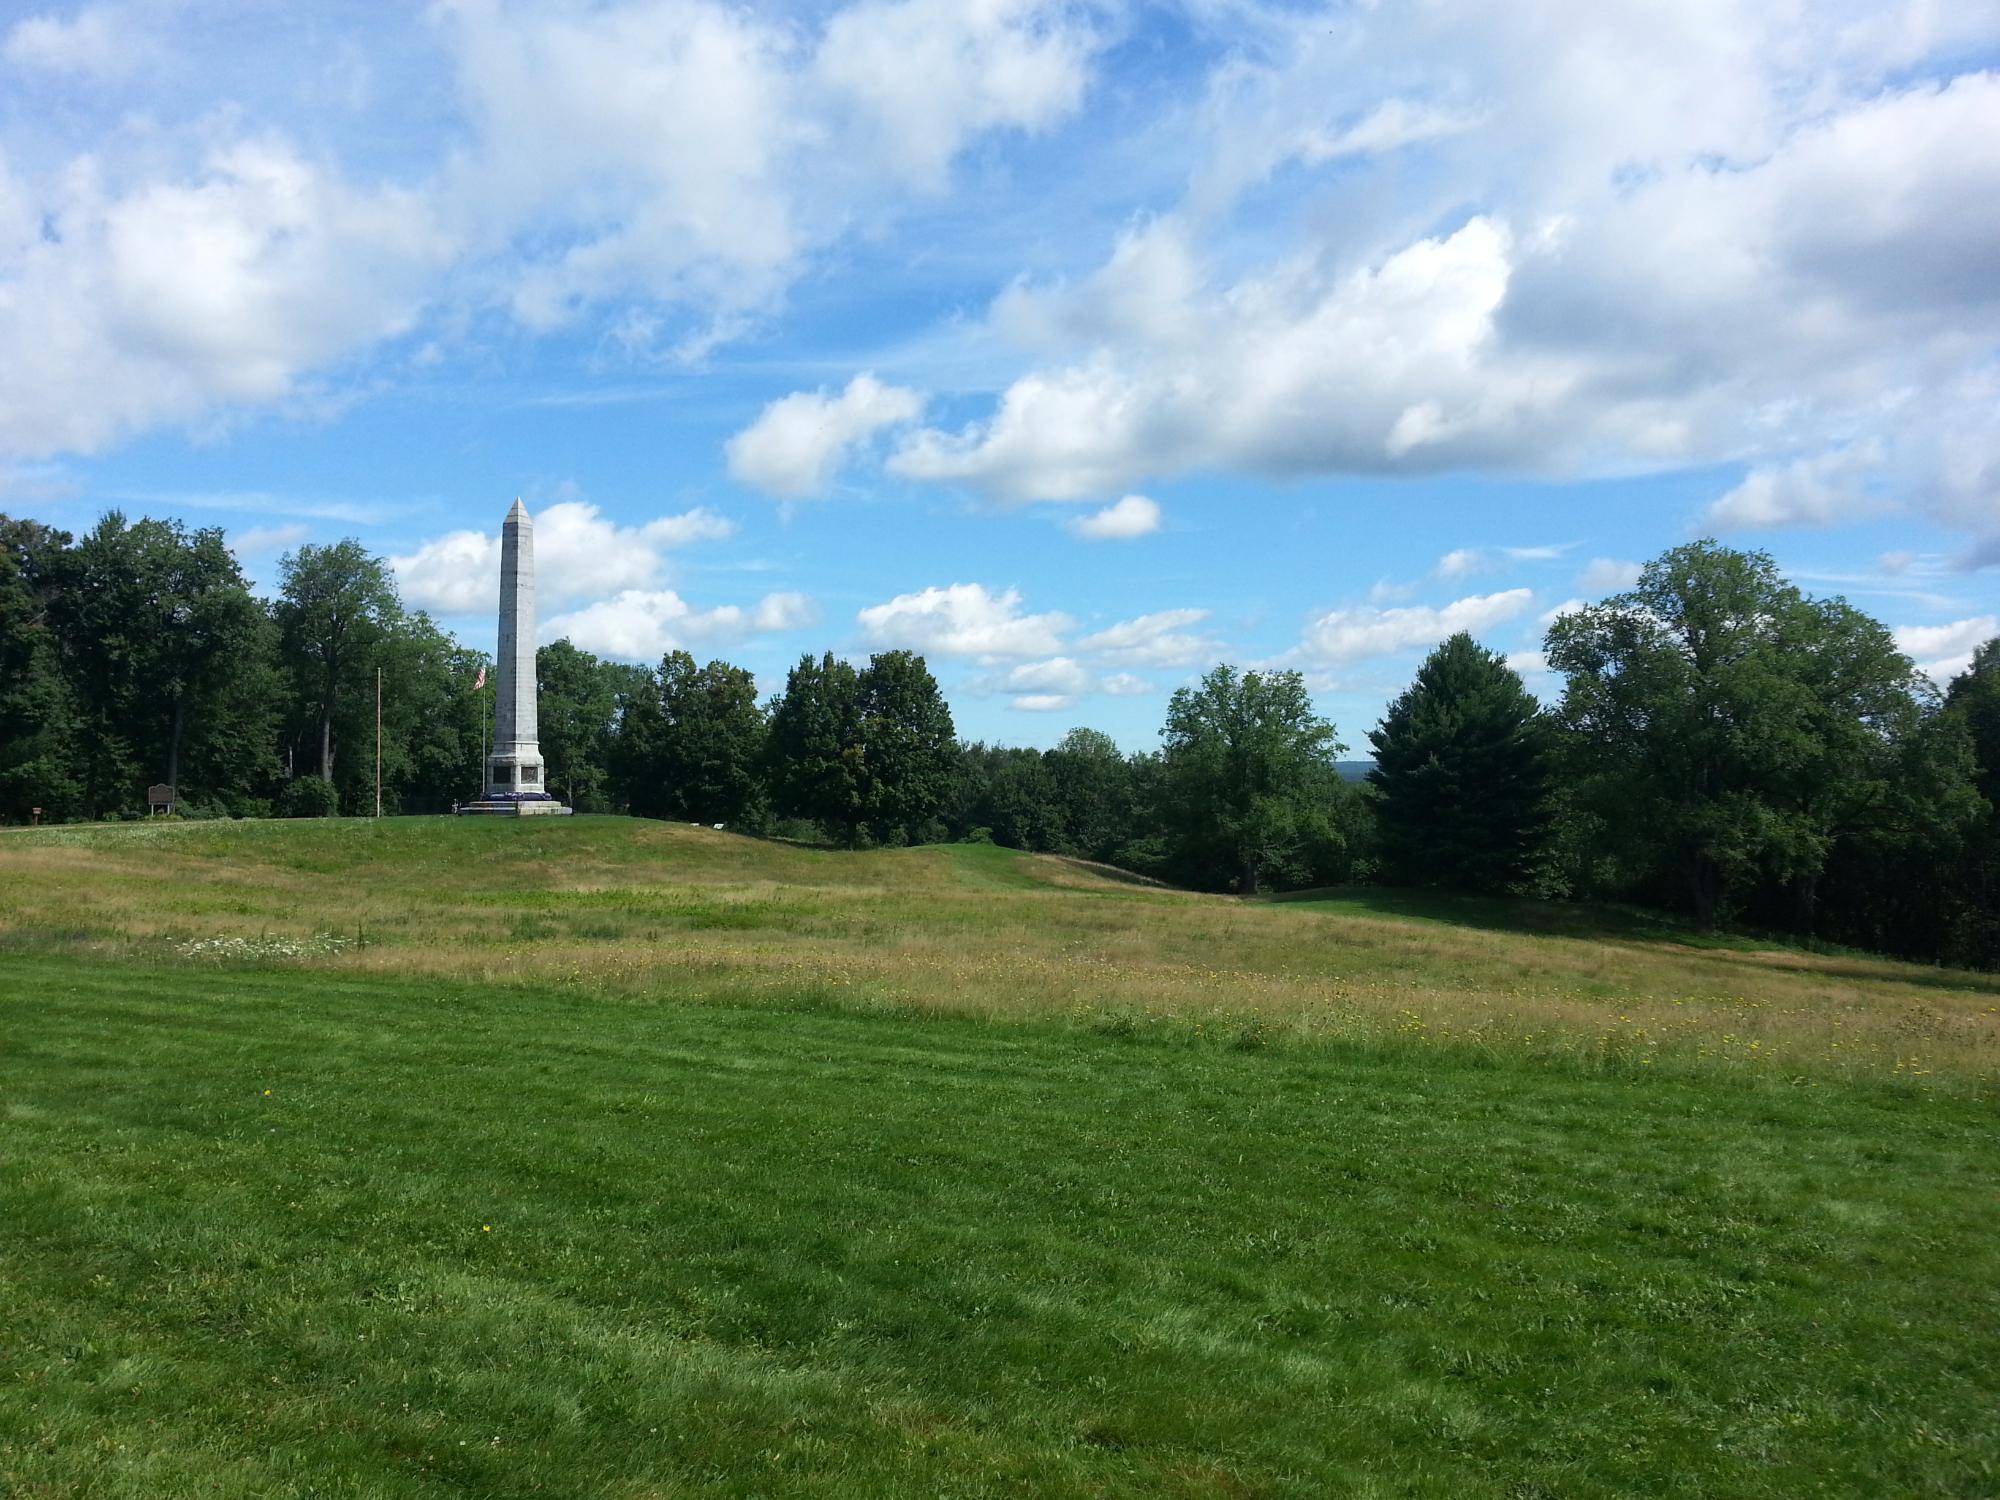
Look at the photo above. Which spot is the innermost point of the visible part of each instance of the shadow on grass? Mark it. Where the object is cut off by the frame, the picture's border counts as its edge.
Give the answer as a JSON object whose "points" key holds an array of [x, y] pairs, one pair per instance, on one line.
{"points": [[1514, 914], [987, 864], [1116, 874], [1566, 919]]}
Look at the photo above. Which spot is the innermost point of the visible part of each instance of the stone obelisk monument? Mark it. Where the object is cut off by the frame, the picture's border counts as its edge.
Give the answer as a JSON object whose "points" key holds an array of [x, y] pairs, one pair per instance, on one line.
{"points": [[514, 770]]}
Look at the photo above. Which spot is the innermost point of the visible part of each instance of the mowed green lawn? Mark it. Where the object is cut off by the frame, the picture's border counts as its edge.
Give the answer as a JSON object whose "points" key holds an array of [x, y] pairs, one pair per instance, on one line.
{"points": [[337, 1227]]}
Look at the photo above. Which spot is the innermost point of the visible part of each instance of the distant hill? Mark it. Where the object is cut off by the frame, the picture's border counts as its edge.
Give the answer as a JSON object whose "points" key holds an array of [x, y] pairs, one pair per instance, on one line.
{"points": [[1354, 770]]}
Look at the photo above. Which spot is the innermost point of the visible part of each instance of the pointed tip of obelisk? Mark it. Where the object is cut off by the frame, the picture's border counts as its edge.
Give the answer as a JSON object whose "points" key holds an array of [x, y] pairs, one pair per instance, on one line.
{"points": [[519, 512]]}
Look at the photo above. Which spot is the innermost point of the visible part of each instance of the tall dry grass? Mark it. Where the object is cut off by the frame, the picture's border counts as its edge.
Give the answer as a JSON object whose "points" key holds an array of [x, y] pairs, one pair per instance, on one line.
{"points": [[624, 908]]}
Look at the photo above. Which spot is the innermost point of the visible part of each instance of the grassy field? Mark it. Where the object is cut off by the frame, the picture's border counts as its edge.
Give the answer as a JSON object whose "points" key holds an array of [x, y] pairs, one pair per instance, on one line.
{"points": [[607, 1158], [618, 907]]}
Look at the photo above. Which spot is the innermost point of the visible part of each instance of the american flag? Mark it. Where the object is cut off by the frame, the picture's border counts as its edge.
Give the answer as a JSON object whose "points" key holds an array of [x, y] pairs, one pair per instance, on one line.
{"points": [[479, 681]]}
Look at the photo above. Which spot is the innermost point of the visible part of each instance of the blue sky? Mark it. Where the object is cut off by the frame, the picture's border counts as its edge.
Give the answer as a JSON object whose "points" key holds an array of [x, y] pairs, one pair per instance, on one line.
{"points": [[1077, 346]]}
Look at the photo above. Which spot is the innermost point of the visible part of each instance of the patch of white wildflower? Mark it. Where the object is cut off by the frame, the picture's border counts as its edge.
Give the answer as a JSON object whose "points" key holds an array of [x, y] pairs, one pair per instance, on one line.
{"points": [[222, 949]]}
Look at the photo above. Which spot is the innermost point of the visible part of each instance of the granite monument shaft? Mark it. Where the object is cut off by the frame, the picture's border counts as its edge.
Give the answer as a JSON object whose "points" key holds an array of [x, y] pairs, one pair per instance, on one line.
{"points": [[515, 773], [515, 766]]}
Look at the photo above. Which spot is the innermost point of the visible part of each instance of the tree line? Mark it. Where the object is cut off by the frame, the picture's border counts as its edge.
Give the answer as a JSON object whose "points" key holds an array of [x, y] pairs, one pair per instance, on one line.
{"points": [[1724, 746], [136, 654]]}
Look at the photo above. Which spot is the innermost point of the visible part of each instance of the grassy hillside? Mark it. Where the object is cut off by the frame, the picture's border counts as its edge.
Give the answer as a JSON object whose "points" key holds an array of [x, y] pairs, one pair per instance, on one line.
{"points": [[401, 1160], [622, 907]]}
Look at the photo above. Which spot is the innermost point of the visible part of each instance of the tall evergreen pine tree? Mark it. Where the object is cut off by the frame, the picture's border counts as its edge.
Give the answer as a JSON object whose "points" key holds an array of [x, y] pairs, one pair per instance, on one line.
{"points": [[1462, 772]]}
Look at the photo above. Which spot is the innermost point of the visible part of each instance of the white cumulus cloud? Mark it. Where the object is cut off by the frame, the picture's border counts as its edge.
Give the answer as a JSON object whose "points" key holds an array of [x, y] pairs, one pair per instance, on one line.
{"points": [[682, 164], [644, 624], [1296, 371], [964, 619], [696, 155], [1941, 652], [1121, 521], [1717, 232], [1057, 682], [1668, 270], [1160, 639], [1059, 674], [1344, 635], [579, 554], [796, 446], [923, 76], [1463, 562], [97, 40], [1822, 490], [127, 307], [1391, 125]]}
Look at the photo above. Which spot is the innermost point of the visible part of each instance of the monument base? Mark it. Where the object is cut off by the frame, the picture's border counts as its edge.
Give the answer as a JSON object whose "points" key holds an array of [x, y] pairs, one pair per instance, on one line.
{"points": [[513, 807]]}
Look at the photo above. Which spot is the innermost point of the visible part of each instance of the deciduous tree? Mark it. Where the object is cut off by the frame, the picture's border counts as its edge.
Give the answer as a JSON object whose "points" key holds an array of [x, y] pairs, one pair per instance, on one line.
{"points": [[1247, 771], [711, 739], [1092, 786], [434, 722], [817, 765], [40, 757], [334, 605], [160, 634], [910, 746], [577, 700], [1733, 730]]}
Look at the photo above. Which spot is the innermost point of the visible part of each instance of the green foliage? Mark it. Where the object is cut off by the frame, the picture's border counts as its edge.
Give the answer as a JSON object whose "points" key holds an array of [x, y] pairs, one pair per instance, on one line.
{"points": [[712, 740], [138, 655], [335, 605], [161, 639], [309, 797], [1726, 744], [433, 723], [1080, 798], [41, 755], [816, 759], [1967, 889], [864, 753], [231, 748], [633, 750], [1091, 787], [689, 742], [577, 699], [1735, 735], [1462, 774], [1008, 793], [1247, 775], [910, 747], [1974, 699]]}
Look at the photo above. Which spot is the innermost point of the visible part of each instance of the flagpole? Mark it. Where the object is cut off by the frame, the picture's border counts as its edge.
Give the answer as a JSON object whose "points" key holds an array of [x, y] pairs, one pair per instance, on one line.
{"points": [[378, 742], [485, 728]]}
